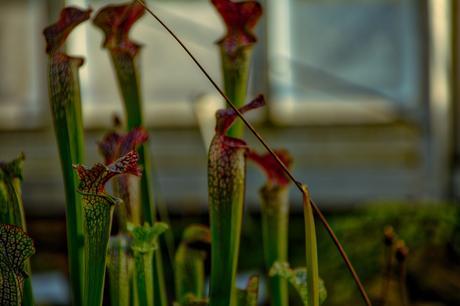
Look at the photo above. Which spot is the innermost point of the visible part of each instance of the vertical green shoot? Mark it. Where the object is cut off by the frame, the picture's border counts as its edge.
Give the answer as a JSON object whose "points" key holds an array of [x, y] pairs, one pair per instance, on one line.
{"points": [[313, 282], [236, 49], [144, 244], [64, 95], [15, 249], [120, 267], [116, 22], [189, 263], [275, 218], [98, 209], [226, 187]]}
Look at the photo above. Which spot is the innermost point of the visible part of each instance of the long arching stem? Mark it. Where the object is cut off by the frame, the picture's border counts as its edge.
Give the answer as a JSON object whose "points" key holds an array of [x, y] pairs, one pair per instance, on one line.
{"points": [[267, 147]]}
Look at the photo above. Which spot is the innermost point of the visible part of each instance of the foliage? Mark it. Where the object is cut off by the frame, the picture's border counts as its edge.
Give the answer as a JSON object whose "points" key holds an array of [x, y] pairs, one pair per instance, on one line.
{"points": [[15, 248], [298, 279]]}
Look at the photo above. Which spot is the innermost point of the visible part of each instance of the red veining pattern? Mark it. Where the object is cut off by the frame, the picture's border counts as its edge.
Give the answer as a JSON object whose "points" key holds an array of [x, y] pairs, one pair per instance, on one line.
{"points": [[240, 19], [269, 165], [114, 145], [57, 33], [226, 117], [116, 22], [93, 180]]}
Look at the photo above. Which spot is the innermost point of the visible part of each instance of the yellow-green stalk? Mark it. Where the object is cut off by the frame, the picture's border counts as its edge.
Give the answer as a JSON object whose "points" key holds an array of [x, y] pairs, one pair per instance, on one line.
{"points": [[16, 249], [144, 244], [65, 102], [98, 207], [189, 269], [226, 187], [236, 49], [116, 22], [275, 219], [313, 282]]}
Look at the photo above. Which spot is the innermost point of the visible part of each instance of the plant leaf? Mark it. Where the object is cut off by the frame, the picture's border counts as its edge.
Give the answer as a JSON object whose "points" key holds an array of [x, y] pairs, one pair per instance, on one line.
{"points": [[116, 22], [298, 279], [11, 208], [93, 180], [56, 34], [145, 237], [275, 174], [15, 248], [115, 145]]}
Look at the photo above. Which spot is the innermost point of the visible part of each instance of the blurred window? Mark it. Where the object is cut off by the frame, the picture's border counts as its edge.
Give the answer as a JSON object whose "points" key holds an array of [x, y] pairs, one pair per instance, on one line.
{"points": [[337, 53], [364, 57], [22, 82]]}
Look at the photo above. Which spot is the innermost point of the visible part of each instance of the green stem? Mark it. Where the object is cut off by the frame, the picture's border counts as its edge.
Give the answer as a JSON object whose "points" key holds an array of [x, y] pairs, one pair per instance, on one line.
{"points": [[236, 73], [275, 218], [98, 209], [120, 270], [66, 108], [189, 261], [313, 282], [98, 212], [144, 244], [128, 80], [189, 274], [226, 199], [144, 278], [226, 188]]}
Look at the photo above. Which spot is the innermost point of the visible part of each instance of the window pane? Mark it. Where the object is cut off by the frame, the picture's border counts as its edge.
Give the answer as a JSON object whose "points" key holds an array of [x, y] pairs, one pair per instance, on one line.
{"points": [[341, 50], [22, 58]]}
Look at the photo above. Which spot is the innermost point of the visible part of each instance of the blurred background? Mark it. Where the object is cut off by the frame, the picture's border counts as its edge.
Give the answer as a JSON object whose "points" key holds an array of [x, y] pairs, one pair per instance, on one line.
{"points": [[363, 93]]}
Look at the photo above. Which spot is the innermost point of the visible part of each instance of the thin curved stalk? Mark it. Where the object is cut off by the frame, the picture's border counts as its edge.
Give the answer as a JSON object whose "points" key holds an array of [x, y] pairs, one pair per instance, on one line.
{"points": [[98, 209], [298, 184]]}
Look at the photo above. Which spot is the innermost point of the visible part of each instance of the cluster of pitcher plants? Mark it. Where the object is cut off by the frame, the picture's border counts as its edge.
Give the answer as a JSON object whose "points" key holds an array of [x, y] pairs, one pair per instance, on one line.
{"points": [[129, 252]]}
